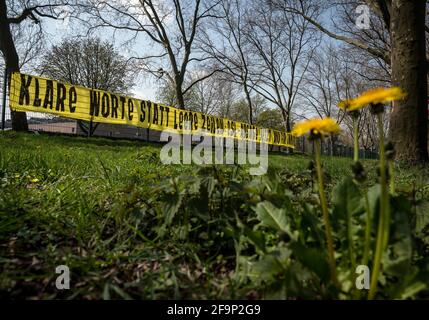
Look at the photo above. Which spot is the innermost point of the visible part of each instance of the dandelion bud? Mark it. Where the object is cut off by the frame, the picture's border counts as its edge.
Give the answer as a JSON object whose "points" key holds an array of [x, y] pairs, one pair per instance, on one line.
{"points": [[314, 135], [390, 150], [312, 168], [377, 108], [285, 237], [358, 171], [311, 165], [354, 114]]}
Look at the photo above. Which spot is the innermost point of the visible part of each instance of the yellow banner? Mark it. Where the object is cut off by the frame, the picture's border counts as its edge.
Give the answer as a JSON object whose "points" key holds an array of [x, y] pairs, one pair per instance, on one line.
{"points": [[36, 94]]}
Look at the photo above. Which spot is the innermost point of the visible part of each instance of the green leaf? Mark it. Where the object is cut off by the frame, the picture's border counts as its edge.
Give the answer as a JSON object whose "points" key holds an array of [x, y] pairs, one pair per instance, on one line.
{"points": [[412, 290], [347, 204], [346, 199], [209, 183], [397, 261], [271, 216], [106, 292], [270, 266], [267, 268], [409, 286], [422, 222], [170, 207], [257, 238], [374, 201], [314, 259], [310, 222], [121, 292], [422, 218]]}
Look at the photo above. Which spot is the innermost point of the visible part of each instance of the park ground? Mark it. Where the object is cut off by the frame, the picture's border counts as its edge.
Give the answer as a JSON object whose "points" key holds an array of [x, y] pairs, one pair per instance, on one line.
{"points": [[129, 227]]}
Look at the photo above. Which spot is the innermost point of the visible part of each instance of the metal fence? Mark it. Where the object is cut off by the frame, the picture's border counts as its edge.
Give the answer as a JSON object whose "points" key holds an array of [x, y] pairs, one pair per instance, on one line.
{"points": [[335, 150], [36, 121], [39, 122]]}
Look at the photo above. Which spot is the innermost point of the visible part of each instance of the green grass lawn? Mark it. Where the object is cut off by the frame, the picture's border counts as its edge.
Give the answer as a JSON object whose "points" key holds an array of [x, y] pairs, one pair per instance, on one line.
{"points": [[100, 207]]}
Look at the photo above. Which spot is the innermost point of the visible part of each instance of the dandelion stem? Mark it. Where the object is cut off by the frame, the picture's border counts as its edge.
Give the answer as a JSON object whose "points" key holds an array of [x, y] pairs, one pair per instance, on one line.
{"points": [[356, 139], [392, 176], [328, 232], [383, 224], [367, 231], [350, 240]]}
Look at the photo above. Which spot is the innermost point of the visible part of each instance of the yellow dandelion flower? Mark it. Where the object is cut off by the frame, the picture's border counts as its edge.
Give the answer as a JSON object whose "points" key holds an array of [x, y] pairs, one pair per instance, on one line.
{"points": [[316, 126], [374, 96], [34, 180]]}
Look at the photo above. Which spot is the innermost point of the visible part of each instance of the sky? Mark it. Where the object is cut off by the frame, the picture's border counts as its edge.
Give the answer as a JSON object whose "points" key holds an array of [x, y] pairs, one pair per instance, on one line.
{"points": [[145, 86], [56, 30]]}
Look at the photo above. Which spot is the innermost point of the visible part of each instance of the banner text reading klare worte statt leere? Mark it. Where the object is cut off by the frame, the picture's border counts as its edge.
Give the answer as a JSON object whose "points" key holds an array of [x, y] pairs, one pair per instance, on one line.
{"points": [[36, 94]]}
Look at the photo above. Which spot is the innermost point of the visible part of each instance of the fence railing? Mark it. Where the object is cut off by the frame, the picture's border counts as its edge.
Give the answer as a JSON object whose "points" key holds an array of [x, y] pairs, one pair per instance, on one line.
{"points": [[336, 149]]}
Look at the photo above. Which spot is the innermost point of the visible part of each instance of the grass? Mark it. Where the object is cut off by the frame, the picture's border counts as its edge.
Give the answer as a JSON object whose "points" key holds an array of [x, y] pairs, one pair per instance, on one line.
{"points": [[90, 204]]}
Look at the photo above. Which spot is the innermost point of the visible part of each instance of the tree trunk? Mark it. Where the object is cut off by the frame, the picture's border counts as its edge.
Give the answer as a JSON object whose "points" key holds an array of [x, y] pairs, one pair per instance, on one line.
{"points": [[249, 102], [285, 119], [332, 142], [179, 93], [180, 99], [287, 124], [409, 119], [7, 47]]}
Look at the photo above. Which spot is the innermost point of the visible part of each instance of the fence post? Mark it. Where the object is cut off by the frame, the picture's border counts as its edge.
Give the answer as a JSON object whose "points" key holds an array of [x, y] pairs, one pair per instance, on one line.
{"points": [[90, 128], [3, 111]]}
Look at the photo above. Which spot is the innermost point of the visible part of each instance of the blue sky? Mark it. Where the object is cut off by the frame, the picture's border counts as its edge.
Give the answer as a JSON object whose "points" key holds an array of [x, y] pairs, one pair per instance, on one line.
{"points": [[56, 30], [146, 87]]}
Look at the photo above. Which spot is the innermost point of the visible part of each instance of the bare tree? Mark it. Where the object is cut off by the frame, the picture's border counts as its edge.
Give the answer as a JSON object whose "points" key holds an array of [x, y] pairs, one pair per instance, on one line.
{"points": [[367, 127], [270, 118], [224, 42], [166, 93], [374, 67], [29, 42], [14, 13], [169, 26], [326, 83], [206, 94], [228, 92], [214, 95], [92, 63], [330, 79], [404, 21], [239, 109], [283, 45]]}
